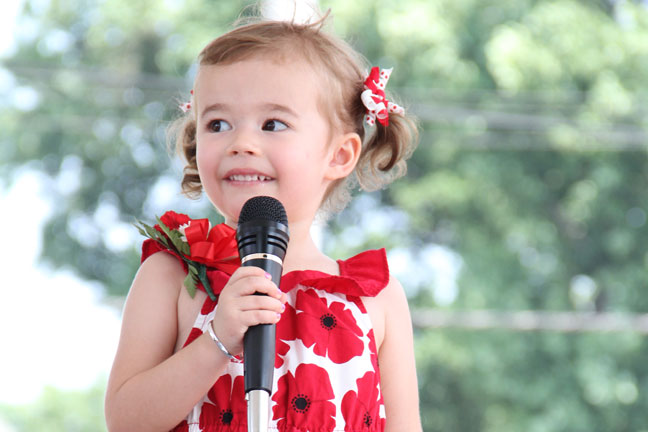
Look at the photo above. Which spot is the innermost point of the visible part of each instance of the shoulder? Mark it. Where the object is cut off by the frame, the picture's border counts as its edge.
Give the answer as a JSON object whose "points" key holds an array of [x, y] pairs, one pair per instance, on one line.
{"points": [[156, 285], [395, 307], [161, 266], [388, 305]]}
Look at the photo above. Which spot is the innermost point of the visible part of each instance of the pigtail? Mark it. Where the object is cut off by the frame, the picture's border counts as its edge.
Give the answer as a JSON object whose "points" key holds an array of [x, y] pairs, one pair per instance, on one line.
{"points": [[385, 152], [182, 136]]}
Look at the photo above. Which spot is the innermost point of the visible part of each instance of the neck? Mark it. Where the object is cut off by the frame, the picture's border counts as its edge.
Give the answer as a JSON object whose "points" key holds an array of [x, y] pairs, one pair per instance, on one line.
{"points": [[303, 253]]}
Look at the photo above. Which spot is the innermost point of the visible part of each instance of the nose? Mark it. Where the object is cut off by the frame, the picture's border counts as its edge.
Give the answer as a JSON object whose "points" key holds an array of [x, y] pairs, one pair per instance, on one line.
{"points": [[243, 143]]}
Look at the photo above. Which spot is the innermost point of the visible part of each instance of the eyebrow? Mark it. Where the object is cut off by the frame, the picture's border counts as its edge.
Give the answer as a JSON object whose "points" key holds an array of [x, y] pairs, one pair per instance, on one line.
{"points": [[265, 107], [280, 108], [213, 107]]}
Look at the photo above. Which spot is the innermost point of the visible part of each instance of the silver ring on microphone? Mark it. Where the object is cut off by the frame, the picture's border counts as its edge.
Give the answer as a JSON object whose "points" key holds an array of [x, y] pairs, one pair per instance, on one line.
{"points": [[267, 256]]}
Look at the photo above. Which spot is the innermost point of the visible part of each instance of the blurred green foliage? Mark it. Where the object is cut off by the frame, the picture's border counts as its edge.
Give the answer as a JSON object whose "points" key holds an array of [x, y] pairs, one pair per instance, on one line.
{"points": [[531, 173], [59, 411]]}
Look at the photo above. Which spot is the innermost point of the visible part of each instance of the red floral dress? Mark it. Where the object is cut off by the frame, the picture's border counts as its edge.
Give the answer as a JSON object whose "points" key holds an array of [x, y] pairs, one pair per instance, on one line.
{"points": [[326, 374]]}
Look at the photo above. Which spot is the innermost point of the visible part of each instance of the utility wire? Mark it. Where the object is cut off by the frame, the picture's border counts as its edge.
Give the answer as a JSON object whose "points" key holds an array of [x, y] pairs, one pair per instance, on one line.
{"points": [[526, 321], [458, 114], [105, 77], [101, 76]]}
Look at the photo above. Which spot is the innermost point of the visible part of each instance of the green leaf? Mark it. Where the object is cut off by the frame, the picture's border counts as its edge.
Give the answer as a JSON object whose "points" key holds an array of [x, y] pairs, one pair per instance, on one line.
{"points": [[152, 232], [190, 284], [165, 228], [176, 240], [184, 248], [202, 275], [141, 230]]}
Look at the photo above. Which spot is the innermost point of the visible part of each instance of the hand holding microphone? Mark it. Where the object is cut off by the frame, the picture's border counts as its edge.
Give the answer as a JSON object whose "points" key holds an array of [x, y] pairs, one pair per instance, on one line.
{"points": [[238, 307]]}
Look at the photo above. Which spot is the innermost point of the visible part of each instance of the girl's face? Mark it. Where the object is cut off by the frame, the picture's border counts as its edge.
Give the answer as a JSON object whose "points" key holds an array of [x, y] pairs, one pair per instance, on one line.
{"points": [[259, 132]]}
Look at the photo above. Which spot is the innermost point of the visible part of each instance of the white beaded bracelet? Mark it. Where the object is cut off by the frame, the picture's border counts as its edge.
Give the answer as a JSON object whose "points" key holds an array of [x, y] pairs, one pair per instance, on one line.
{"points": [[220, 345]]}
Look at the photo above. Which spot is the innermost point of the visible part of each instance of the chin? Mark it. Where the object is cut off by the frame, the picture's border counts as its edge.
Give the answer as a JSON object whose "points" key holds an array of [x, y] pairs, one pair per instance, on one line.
{"points": [[232, 209]]}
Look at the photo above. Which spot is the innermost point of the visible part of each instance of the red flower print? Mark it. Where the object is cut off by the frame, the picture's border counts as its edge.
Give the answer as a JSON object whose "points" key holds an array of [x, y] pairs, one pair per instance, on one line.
{"points": [[286, 331], [332, 329], [228, 409], [361, 409], [304, 401]]}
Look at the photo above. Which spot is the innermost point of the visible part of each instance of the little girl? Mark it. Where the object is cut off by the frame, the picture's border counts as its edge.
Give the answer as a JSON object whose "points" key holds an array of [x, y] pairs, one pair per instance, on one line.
{"points": [[278, 109]]}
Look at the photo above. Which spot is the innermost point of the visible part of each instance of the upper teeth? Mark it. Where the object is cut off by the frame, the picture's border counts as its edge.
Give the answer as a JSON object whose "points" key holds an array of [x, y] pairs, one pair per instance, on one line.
{"points": [[253, 177]]}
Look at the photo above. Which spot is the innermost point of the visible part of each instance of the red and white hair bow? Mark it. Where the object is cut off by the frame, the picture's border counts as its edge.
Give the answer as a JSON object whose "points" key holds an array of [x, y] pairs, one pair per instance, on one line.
{"points": [[186, 107], [373, 97]]}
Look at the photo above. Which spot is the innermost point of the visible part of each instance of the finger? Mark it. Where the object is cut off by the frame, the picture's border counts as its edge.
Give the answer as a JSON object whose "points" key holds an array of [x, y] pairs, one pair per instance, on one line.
{"points": [[255, 302], [247, 271], [256, 317], [250, 284]]}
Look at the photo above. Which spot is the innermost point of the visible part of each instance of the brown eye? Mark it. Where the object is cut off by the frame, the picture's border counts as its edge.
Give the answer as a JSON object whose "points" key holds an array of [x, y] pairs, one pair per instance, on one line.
{"points": [[274, 126], [219, 126]]}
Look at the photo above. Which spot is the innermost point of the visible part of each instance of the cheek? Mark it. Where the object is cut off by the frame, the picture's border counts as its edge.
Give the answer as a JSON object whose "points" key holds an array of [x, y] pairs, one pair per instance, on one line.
{"points": [[204, 161], [200, 158]]}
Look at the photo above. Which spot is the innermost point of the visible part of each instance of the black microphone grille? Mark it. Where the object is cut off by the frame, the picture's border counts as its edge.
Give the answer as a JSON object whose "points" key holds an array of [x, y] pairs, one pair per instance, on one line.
{"points": [[263, 207]]}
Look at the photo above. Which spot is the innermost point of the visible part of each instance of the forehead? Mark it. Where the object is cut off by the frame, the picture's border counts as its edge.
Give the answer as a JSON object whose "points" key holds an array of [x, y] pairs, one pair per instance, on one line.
{"points": [[294, 82]]}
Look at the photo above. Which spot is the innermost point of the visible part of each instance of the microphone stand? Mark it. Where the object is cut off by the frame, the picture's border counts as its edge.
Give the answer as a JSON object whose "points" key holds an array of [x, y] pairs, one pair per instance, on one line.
{"points": [[258, 410]]}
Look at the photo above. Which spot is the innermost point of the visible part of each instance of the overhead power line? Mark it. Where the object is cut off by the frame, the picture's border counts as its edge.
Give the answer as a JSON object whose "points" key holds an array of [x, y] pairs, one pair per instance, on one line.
{"points": [[103, 76], [525, 321], [625, 134], [529, 114], [100, 76]]}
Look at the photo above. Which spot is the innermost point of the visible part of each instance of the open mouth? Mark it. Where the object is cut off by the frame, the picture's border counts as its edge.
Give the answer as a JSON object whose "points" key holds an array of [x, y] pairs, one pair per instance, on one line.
{"points": [[249, 178]]}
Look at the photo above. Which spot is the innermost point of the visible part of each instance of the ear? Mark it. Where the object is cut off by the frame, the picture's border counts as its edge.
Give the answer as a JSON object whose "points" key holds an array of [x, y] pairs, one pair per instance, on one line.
{"points": [[343, 156]]}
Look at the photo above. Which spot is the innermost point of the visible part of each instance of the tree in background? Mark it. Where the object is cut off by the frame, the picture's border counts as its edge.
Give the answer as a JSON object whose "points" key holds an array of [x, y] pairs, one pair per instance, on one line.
{"points": [[529, 183]]}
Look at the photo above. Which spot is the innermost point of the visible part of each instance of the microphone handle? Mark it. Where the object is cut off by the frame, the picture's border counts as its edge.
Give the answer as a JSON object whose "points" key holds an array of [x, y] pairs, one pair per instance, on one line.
{"points": [[259, 340]]}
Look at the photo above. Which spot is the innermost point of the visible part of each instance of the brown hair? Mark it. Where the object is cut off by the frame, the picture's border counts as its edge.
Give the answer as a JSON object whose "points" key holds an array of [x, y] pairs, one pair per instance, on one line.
{"points": [[342, 69]]}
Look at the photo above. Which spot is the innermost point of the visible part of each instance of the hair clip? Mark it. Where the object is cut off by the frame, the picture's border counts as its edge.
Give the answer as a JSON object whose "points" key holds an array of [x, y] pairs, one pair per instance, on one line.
{"points": [[186, 107], [373, 97]]}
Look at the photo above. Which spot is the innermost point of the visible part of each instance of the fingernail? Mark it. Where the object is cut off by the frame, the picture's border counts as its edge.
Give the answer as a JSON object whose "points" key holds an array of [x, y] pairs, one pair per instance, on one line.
{"points": [[278, 316], [283, 307], [268, 276]]}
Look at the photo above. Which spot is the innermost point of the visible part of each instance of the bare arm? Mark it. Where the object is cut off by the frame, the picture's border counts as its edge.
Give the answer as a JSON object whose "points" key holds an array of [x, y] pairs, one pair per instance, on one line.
{"points": [[397, 365], [152, 389]]}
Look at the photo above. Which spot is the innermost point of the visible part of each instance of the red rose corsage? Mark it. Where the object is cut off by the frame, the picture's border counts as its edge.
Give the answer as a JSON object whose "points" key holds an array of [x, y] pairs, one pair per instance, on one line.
{"points": [[201, 248]]}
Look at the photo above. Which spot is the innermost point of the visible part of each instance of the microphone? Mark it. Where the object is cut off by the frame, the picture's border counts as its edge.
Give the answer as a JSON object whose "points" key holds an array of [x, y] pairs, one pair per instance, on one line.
{"points": [[262, 237]]}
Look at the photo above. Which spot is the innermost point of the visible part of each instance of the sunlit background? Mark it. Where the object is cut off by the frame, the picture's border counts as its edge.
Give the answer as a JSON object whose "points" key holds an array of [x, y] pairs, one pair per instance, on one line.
{"points": [[55, 329], [519, 233]]}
